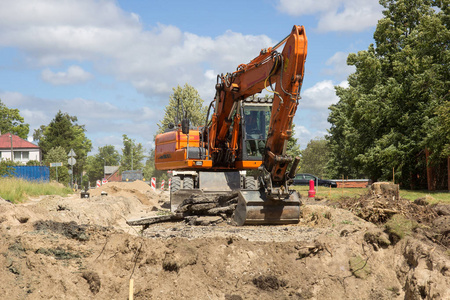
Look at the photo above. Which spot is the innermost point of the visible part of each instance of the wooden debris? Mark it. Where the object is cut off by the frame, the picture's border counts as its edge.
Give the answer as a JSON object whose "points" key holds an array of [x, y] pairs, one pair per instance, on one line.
{"points": [[154, 219], [205, 209]]}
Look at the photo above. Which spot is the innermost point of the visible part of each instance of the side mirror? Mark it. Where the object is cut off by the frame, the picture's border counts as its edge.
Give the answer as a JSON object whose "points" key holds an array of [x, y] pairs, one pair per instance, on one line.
{"points": [[171, 126], [185, 126]]}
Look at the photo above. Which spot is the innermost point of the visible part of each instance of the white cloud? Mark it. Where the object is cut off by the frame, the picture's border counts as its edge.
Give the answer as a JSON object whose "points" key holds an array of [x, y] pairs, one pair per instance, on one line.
{"points": [[304, 135], [73, 75], [338, 66], [336, 15], [100, 119], [312, 114], [319, 97], [52, 32]]}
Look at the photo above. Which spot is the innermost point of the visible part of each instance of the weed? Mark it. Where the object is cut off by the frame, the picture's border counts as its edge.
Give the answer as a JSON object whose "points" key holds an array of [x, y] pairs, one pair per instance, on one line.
{"points": [[17, 190], [348, 222], [399, 226], [359, 267], [327, 215], [58, 253]]}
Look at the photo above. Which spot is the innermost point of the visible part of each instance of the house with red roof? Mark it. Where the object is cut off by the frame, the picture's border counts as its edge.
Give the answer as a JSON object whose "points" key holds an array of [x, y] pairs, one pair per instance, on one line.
{"points": [[22, 150]]}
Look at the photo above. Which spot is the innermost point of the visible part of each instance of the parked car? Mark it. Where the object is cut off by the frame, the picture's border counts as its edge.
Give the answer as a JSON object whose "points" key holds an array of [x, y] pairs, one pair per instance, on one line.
{"points": [[303, 179]]}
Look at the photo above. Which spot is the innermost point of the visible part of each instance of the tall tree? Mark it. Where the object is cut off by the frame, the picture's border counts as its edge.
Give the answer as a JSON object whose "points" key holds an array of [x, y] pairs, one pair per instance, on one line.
{"points": [[315, 157], [64, 131], [293, 147], [149, 168], [383, 118], [11, 121], [132, 155], [187, 100]]}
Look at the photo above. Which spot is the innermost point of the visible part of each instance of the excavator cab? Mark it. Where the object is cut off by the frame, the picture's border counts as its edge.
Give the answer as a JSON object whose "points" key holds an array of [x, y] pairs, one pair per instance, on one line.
{"points": [[255, 125]]}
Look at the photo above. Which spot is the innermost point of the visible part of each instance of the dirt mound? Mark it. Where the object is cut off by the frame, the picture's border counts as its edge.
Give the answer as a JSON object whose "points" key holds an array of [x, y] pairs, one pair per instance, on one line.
{"points": [[379, 208], [73, 248], [138, 188]]}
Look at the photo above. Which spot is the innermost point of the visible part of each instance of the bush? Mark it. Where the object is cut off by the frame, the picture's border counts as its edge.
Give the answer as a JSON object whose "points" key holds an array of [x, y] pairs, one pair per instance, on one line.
{"points": [[5, 170]]}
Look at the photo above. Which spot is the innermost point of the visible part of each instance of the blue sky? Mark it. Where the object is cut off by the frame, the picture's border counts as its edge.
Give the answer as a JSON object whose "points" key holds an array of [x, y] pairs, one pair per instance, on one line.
{"points": [[113, 64]]}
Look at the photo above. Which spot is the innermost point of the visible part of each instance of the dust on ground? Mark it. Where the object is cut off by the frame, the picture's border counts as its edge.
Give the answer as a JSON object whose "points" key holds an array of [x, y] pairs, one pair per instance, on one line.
{"points": [[374, 247]]}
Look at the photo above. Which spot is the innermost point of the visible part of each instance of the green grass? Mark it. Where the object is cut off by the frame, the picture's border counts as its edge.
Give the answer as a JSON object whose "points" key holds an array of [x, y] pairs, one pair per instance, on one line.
{"points": [[432, 197], [400, 226], [17, 190], [338, 193], [333, 193]]}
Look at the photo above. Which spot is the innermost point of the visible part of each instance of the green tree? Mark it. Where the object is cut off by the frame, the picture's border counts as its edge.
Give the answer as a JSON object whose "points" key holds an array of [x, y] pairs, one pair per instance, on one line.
{"points": [[54, 155], [5, 168], [106, 156], [132, 155], [190, 102], [149, 168], [383, 118], [315, 157], [439, 139], [11, 121], [293, 147], [64, 131]]}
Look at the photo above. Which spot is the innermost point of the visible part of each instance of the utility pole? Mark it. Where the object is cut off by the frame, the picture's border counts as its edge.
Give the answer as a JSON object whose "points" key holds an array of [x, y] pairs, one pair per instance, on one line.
{"points": [[12, 152]]}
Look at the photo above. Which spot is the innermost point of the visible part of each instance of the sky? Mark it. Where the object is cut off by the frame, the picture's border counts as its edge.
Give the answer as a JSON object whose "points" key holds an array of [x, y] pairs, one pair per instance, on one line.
{"points": [[114, 64]]}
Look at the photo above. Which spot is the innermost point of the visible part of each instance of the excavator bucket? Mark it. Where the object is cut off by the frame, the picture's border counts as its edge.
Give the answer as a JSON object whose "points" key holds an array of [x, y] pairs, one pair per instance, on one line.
{"points": [[255, 208]]}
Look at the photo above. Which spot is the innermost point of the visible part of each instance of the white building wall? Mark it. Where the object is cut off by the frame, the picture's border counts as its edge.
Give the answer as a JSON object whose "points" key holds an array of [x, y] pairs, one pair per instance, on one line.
{"points": [[33, 154]]}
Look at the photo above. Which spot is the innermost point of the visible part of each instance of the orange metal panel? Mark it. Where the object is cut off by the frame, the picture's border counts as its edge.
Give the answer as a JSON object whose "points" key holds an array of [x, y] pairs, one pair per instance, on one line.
{"points": [[248, 164]]}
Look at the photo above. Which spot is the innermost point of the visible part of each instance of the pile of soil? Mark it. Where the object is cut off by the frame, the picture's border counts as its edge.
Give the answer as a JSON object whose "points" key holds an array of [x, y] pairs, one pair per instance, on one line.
{"points": [[138, 188], [74, 248], [433, 220]]}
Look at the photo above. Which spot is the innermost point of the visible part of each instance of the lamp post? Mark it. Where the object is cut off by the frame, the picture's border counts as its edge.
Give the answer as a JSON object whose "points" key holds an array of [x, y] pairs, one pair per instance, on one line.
{"points": [[12, 152]]}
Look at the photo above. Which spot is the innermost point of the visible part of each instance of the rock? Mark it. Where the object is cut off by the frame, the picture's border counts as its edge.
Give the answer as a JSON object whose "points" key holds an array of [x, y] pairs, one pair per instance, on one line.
{"points": [[442, 224], [93, 280], [442, 209], [377, 237], [208, 220], [182, 256], [421, 201], [268, 282]]}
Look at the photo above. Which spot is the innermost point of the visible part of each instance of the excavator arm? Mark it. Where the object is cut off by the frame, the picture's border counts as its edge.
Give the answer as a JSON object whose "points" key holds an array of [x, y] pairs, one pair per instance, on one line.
{"points": [[284, 70]]}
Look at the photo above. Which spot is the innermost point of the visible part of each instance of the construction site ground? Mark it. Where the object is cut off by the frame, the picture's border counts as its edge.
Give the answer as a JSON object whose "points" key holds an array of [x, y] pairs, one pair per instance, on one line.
{"points": [[374, 247]]}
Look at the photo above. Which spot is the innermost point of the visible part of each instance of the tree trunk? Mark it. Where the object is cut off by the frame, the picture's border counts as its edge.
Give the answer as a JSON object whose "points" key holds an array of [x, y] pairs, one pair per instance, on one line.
{"points": [[431, 180]]}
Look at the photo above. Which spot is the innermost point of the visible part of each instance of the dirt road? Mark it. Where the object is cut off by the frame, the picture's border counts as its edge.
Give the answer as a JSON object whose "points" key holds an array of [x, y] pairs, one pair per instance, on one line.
{"points": [[73, 248]]}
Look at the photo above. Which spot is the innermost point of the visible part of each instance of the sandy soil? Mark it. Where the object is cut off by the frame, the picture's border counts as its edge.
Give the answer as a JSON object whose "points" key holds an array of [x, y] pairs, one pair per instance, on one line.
{"points": [[72, 248]]}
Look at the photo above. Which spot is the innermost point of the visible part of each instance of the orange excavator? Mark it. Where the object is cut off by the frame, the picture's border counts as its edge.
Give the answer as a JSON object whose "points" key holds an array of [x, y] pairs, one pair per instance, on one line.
{"points": [[243, 133]]}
